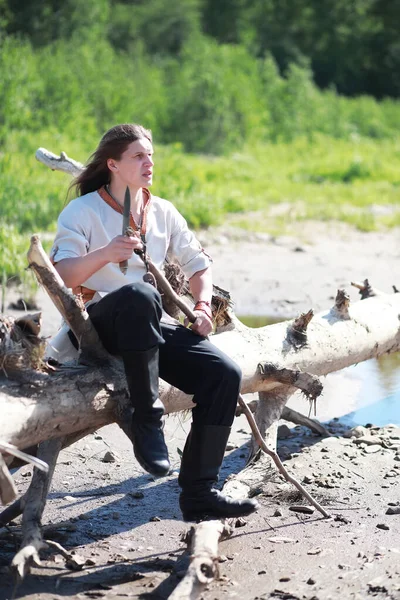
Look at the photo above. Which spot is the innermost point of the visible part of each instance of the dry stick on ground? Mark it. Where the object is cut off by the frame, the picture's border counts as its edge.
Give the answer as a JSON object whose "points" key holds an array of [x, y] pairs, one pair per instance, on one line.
{"points": [[203, 568], [289, 414], [277, 460]]}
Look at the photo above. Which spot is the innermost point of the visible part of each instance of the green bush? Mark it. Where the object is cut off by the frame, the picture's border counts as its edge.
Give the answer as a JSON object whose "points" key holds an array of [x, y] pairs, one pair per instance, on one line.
{"points": [[215, 98], [13, 249], [261, 138]]}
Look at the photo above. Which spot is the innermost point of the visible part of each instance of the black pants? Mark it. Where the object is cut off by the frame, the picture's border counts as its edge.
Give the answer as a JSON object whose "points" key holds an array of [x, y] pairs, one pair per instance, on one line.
{"points": [[129, 319]]}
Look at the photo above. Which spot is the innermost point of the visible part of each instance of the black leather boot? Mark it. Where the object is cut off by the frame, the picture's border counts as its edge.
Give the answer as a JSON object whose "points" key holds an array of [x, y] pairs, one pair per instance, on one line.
{"points": [[141, 369], [202, 457]]}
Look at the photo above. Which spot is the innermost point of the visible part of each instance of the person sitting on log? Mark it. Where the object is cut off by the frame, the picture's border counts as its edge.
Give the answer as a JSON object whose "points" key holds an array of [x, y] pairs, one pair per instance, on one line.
{"points": [[125, 308]]}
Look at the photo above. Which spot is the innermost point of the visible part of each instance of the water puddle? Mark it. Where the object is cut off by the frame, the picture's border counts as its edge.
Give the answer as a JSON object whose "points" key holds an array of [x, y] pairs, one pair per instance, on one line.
{"points": [[365, 393]]}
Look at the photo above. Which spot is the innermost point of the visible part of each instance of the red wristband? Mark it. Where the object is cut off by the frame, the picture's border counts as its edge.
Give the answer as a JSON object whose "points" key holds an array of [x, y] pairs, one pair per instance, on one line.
{"points": [[203, 302], [206, 309]]}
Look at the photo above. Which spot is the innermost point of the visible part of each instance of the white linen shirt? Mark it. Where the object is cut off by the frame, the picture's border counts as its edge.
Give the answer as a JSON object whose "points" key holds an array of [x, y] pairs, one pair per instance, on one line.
{"points": [[88, 223]]}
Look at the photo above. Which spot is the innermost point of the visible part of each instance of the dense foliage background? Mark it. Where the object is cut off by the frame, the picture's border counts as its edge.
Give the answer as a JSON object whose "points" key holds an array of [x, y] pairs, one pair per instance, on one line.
{"points": [[351, 44], [251, 102]]}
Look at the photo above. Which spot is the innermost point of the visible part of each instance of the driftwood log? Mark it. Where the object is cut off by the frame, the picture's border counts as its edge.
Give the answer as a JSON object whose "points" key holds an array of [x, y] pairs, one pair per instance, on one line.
{"points": [[65, 403], [44, 403]]}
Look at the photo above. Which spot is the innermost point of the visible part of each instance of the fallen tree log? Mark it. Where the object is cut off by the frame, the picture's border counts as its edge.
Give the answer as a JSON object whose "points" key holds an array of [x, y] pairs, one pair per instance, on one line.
{"points": [[62, 402], [95, 391]]}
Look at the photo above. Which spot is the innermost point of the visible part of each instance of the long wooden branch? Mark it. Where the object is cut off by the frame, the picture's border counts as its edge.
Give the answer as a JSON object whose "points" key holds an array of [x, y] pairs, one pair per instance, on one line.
{"points": [[282, 470], [68, 305]]}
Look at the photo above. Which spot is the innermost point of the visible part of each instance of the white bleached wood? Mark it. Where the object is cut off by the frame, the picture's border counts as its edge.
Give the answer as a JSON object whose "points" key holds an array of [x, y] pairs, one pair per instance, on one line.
{"points": [[8, 491], [59, 163], [52, 408], [203, 567]]}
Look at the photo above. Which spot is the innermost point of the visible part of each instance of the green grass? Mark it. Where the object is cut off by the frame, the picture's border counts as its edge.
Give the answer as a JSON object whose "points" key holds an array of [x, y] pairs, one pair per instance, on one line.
{"points": [[355, 181]]}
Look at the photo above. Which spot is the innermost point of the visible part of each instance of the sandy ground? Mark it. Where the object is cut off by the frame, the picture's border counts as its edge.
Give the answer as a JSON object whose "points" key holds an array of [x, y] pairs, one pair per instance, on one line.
{"points": [[286, 275], [127, 526]]}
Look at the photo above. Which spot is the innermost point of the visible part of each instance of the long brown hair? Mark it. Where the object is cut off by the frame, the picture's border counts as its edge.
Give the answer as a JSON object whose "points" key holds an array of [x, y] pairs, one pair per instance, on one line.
{"points": [[112, 145]]}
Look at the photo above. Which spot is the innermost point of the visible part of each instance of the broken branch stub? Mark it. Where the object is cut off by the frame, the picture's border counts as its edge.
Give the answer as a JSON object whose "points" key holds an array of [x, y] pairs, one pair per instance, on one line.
{"points": [[59, 163], [293, 416], [365, 289], [203, 568], [309, 384], [342, 303], [297, 331]]}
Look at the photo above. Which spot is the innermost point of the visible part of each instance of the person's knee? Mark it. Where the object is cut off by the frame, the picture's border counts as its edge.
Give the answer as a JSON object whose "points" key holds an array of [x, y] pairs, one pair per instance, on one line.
{"points": [[233, 374], [229, 373], [217, 403], [141, 298]]}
